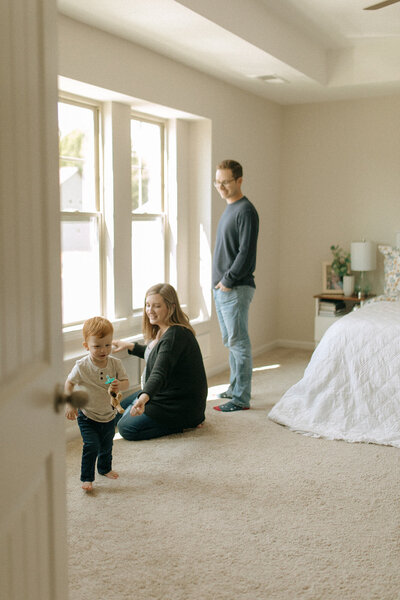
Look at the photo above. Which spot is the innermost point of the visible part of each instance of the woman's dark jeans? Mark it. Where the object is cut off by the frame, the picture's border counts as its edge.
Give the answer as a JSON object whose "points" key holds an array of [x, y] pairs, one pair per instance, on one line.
{"points": [[141, 427]]}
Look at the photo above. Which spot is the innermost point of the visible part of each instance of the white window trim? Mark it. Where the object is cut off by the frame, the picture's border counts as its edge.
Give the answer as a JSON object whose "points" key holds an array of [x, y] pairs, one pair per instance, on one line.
{"points": [[116, 304], [187, 193], [75, 100], [163, 215]]}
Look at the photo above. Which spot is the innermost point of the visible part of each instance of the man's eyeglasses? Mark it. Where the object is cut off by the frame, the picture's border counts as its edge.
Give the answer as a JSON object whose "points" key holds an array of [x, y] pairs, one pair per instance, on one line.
{"points": [[224, 183]]}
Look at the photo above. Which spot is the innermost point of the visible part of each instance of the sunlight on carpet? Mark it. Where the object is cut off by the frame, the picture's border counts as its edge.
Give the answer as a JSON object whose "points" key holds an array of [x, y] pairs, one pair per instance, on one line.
{"points": [[266, 368]]}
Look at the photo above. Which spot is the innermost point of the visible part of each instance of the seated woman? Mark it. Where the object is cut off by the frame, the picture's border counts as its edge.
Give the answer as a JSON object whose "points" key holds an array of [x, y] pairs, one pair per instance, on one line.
{"points": [[174, 382]]}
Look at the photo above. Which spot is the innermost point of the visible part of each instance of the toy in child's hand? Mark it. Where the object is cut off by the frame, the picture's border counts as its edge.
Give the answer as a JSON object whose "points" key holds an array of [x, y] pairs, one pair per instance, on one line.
{"points": [[115, 398]]}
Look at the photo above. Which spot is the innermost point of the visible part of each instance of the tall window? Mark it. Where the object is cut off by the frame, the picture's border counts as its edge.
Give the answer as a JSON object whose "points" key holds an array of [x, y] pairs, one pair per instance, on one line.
{"points": [[86, 272], [148, 217], [80, 210]]}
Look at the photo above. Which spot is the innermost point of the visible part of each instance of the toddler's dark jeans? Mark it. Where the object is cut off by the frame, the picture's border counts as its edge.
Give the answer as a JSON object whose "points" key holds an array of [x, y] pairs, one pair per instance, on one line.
{"points": [[97, 444]]}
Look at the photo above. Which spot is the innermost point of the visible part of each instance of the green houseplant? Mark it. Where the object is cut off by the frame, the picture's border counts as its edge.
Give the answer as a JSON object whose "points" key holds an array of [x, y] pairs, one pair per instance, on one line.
{"points": [[341, 261], [341, 266]]}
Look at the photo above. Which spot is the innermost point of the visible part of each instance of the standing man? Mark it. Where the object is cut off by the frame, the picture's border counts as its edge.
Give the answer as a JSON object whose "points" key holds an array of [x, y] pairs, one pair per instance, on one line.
{"points": [[234, 263]]}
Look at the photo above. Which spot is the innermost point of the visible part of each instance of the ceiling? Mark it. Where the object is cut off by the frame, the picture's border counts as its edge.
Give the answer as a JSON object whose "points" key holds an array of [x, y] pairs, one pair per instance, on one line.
{"points": [[289, 51]]}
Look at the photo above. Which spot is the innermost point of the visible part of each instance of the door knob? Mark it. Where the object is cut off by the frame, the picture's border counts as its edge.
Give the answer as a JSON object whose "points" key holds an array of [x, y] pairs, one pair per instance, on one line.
{"points": [[77, 399]]}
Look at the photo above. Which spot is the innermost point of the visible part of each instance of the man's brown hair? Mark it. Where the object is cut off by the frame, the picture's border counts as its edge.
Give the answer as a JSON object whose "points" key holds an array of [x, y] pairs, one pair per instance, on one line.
{"points": [[234, 166]]}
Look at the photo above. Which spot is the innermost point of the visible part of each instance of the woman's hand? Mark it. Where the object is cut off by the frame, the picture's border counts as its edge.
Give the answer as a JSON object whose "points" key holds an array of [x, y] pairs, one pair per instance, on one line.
{"points": [[138, 408], [121, 345]]}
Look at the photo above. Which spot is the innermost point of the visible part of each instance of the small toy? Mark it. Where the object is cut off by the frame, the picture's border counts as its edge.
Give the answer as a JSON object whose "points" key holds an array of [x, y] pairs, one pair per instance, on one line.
{"points": [[115, 398]]}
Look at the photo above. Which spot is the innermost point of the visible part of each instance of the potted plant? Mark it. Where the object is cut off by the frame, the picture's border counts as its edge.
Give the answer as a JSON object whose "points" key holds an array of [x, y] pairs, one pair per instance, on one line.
{"points": [[341, 266]]}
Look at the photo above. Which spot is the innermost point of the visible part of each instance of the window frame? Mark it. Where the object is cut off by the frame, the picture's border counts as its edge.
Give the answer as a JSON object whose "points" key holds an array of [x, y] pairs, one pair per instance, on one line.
{"points": [[187, 204], [98, 214], [154, 216]]}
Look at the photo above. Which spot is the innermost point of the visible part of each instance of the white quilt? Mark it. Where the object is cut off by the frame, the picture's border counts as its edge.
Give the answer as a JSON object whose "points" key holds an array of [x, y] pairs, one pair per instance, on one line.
{"points": [[351, 387]]}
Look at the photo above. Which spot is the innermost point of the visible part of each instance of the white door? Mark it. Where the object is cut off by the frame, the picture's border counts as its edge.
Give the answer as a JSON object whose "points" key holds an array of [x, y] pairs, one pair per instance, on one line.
{"points": [[32, 444]]}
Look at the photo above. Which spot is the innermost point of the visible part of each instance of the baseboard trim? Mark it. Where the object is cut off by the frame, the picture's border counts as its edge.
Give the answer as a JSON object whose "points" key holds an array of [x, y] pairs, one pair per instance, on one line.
{"points": [[295, 344], [217, 369], [265, 348]]}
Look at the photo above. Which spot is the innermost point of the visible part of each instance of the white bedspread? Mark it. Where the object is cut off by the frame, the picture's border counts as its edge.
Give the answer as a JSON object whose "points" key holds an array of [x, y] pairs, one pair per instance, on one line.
{"points": [[351, 387]]}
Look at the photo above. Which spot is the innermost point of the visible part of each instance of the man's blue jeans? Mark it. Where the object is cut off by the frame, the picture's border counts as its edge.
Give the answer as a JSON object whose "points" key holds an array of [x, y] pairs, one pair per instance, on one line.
{"points": [[233, 315]]}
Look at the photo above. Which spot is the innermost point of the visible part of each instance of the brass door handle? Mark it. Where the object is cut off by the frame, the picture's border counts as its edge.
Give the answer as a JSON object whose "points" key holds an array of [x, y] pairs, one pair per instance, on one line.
{"points": [[77, 399]]}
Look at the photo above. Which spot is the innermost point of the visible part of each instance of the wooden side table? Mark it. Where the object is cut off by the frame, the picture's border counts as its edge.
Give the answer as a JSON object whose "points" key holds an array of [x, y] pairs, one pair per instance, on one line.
{"points": [[323, 321]]}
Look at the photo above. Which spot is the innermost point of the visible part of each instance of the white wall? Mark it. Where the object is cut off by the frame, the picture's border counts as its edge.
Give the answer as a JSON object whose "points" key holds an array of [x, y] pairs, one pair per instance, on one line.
{"points": [[319, 174], [243, 127], [340, 182]]}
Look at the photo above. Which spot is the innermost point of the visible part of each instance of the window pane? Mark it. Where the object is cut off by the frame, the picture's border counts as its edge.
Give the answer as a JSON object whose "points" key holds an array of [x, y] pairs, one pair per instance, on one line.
{"points": [[76, 125], [146, 162], [147, 258], [80, 270]]}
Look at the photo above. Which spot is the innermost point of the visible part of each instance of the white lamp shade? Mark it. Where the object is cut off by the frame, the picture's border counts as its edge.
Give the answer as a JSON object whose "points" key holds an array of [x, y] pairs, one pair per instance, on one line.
{"points": [[363, 256]]}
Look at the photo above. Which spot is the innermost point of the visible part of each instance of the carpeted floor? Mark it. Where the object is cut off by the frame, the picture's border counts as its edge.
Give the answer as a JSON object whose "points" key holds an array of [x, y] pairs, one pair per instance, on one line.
{"points": [[242, 509]]}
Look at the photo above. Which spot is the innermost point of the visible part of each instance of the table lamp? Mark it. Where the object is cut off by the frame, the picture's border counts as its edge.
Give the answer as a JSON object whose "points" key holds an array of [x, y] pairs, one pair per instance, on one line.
{"points": [[363, 259]]}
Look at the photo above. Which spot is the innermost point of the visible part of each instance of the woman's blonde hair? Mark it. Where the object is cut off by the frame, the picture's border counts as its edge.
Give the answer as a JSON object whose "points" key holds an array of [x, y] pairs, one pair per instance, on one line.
{"points": [[175, 316]]}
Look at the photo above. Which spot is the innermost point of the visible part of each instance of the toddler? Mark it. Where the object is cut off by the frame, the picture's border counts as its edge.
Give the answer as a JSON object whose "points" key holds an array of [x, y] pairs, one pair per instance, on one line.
{"points": [[96, 418]]}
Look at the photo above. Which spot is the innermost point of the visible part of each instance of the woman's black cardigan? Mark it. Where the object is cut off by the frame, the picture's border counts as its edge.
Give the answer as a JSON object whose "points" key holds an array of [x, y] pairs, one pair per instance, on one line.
{"points": [[175, 379]]}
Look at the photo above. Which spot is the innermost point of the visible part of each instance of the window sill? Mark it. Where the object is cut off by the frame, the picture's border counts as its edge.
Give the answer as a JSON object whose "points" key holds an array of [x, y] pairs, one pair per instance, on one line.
{"points": [[127, 329]]}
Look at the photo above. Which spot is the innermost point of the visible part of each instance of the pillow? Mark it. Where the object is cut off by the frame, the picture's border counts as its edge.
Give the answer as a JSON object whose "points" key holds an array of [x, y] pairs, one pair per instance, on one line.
{"points": [[392, 270], [381, 298]]}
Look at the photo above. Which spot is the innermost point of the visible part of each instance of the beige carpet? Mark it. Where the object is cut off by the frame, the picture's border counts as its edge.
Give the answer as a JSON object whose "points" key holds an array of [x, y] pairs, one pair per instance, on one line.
{"points": [[241, 509]]}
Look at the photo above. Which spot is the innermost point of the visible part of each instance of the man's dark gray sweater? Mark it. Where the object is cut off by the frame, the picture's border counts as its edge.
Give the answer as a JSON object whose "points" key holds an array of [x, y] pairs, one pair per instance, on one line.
{"points": [[234, 260]]}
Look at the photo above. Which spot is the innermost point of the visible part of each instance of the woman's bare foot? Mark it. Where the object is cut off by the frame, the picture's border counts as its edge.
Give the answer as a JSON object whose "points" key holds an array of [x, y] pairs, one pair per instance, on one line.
{"points": [[87, 486], [111, 475]]}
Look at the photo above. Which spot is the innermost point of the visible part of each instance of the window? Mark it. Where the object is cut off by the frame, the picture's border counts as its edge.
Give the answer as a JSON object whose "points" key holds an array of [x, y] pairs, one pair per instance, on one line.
{"points": [[124, 225], [80, 211], [91, 274], [148, 215]]}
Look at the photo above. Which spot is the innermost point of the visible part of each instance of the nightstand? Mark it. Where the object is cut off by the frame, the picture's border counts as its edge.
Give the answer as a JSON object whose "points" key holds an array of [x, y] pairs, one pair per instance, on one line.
{"points": [[323, 319]]}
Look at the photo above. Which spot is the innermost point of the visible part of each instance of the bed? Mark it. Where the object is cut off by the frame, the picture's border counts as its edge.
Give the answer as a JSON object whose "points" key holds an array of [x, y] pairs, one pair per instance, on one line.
{"points": [[351, 387]]}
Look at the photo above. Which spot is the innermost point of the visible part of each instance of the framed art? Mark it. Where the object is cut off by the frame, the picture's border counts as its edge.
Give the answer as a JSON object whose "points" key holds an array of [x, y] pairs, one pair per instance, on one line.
{"points": [[331, 283]]}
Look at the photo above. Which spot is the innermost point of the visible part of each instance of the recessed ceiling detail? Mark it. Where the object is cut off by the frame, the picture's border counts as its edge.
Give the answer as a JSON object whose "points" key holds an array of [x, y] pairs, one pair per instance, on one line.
{"points": [[330, 50]]}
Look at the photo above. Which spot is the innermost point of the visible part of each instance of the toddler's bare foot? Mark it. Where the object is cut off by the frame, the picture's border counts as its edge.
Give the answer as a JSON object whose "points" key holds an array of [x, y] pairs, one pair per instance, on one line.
{"points": [[87, 486], [111, 475]]}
